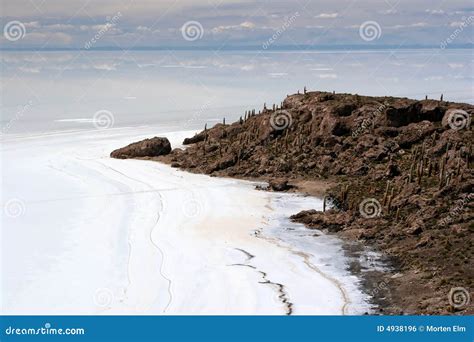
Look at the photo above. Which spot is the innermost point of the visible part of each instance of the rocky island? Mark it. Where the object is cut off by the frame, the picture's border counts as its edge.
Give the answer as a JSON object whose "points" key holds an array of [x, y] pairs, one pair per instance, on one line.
{"points": [[395, 173]]}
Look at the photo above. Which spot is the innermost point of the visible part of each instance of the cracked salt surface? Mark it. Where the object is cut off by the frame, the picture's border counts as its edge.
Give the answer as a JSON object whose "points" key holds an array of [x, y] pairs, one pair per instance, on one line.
{"points": [[322, 252]]}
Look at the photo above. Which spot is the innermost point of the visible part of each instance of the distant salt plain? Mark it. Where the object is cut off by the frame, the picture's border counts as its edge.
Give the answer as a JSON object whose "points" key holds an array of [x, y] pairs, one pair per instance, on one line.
{"points": [[86, 234]]}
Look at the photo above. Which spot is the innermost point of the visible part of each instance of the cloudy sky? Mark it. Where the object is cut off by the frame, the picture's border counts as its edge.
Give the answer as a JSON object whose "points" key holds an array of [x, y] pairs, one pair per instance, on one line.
{"points": [[47, 24]]}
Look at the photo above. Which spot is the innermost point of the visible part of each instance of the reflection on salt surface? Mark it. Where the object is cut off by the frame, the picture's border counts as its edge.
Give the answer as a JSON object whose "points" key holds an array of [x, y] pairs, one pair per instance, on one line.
{"points": [[153, 87]]}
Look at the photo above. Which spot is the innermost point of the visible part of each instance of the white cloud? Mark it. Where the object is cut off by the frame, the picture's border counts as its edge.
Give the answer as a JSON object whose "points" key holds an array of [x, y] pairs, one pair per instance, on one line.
{"points": [[461, 12], [327, 15], [246, 25], [101, 27], [106, 67], [315, 27], [434, 78], [435, 11], [457, 23], [390, 11], [247, 67], [107, 27], [329, 76], [420, 24], [59, 27], [32, 24], [51, 37], [235, 21], [30, 70], [143, 28], [396, 27]]}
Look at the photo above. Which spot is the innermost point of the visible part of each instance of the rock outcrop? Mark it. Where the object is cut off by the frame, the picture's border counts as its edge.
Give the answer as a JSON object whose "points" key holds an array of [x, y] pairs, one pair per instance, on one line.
{"points": [[153, 147], [410, 161], [280, 184]]}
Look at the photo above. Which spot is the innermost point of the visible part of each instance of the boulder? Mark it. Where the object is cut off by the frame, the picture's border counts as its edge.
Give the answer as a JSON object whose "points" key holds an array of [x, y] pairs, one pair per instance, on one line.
{"points": [[402, 113], [332, 220], [431, 110], [279, 185], [392, 170], [344, 109], [195, 139], [414, 132], [153, 147]]}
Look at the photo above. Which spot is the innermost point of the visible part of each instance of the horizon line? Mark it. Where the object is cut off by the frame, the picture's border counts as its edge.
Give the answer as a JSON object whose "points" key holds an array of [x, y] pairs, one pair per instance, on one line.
{"points": [[247, 48]]}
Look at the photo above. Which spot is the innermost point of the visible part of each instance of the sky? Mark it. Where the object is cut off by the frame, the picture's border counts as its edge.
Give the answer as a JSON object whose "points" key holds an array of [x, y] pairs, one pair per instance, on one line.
{"points": [[223, 24]]}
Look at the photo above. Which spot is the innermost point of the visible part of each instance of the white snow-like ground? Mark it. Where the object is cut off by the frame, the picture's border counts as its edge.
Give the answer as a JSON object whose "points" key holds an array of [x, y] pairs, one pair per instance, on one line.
{"points": [[86, 234]]}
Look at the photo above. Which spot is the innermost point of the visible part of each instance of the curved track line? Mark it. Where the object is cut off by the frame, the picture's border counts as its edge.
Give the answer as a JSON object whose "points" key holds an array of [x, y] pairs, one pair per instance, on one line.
{"points": [[280, 288], [170, 295]]}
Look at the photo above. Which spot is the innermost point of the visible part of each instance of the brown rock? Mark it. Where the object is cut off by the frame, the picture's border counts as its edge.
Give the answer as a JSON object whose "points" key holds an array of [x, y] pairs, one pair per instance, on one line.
{"points": [[414, 133], [279, 185], [402, 113], [392, 170], [344, 109], [195, 139], [153, 147], [415, 229], [332, 221], [305, 216]]}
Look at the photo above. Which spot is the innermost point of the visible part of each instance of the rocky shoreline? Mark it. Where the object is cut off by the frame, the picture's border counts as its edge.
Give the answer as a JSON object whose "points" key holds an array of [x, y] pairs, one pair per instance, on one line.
{"points": [[395, 173]]}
